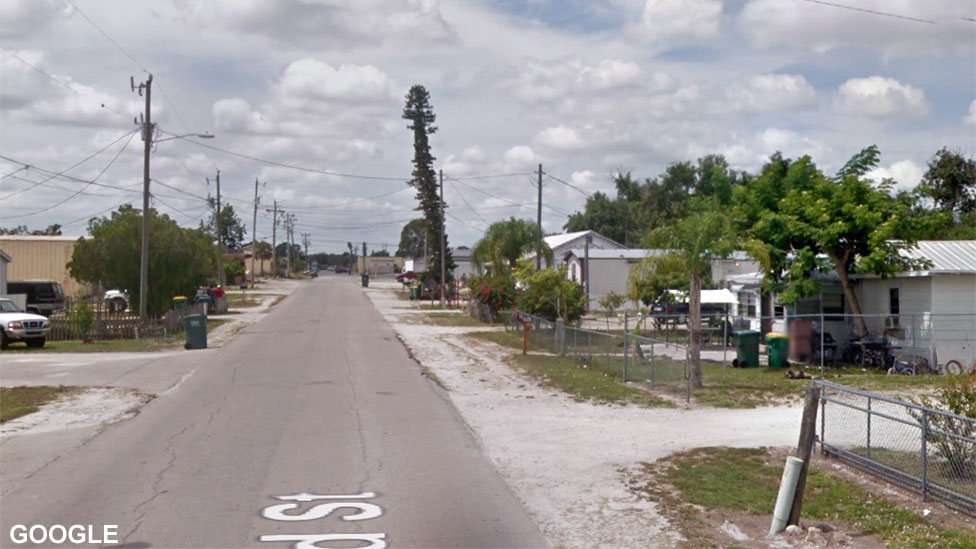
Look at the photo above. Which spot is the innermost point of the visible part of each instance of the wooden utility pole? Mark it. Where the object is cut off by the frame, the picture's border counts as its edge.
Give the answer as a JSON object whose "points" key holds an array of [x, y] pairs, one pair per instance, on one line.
{"points": [[220, 240], [538, 239], [147, 136], [443, 251], [274, 242], [254, 231]]}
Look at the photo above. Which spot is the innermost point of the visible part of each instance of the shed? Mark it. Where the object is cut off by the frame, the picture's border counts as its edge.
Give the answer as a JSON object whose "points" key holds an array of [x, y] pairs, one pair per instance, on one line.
{"points": [[42, 258], [931, 310], [4, 259]]}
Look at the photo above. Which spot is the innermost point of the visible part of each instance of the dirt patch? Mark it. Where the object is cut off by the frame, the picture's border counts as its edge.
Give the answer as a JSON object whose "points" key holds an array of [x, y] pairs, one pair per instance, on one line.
{"points": [[96, 406]]}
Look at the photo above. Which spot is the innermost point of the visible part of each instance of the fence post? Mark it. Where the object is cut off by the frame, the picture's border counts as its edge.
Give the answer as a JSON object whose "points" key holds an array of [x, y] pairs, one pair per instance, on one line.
{"points": [[823, 417], [653, 344], [625, 347], [558, 335], [869, 429], [823, 328], [687, 376], [925, 453], [725, 341], [804, 448]]}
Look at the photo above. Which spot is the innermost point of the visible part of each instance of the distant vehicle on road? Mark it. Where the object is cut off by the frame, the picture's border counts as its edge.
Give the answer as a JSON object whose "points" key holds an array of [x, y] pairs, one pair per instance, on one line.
{"points": [[340, 269], [406, 277], [44, 297], [16, 325]]}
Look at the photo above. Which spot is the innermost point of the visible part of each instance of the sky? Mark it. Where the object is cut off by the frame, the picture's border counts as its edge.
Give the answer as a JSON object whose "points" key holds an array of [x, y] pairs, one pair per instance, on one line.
{"points": [[306, 97]]}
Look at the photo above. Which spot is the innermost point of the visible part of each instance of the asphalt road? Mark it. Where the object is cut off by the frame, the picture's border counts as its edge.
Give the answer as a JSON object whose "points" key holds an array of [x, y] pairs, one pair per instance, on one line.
{"points": [[313, 425]]}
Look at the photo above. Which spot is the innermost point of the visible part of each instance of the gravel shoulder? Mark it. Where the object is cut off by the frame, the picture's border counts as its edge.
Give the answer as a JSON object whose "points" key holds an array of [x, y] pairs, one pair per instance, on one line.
{"points": [[569, 461]]}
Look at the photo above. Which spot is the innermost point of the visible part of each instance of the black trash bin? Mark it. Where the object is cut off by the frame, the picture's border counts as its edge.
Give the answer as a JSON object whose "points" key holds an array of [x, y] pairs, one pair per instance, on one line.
{"points": [[195, 327], [365, 280]]}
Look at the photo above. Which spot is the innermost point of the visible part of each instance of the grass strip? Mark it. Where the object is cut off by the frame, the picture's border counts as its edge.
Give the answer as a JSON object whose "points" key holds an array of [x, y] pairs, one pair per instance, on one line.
{"points": [[742, 481], [565, 374], [16, 402], [149, 344]]}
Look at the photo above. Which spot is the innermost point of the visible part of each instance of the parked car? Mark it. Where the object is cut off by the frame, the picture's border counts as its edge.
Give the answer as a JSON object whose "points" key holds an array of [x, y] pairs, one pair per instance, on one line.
{"points": [[16, 325], [44, 297], [406, 277], [340, 269], [116, 301]]}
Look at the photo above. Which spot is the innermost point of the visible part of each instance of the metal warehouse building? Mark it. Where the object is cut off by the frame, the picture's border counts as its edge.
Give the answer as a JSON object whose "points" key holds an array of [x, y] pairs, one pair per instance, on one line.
{"points": [[41, 258]]}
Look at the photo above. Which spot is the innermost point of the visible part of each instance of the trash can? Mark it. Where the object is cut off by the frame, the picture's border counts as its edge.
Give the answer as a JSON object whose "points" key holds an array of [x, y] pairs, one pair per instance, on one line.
{"points": [[777, 346], [205, 299], [196, 331], [746, 349], [365, 280], [179, 301], [414, 292]]}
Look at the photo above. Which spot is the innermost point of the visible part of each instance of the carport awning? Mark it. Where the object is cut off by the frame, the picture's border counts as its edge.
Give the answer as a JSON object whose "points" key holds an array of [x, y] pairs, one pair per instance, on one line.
{"points": [[721, 297]]}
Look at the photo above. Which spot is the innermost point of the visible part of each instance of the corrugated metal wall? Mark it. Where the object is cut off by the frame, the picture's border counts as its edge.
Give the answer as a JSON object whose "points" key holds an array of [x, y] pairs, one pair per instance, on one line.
{"points": [[46, 258]]}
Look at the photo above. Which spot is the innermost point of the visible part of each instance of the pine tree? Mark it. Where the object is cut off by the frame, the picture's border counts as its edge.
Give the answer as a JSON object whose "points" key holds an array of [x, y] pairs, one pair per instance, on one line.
{"points": [[421, 116]]}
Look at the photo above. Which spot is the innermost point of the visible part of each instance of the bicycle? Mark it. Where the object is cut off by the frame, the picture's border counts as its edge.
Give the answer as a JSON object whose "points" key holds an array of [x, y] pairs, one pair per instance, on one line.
{"points": [[956, 368]]}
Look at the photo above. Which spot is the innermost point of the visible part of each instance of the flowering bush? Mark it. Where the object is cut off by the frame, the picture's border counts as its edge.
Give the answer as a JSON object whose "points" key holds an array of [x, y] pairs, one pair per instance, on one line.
{"points": [[498, 295]]}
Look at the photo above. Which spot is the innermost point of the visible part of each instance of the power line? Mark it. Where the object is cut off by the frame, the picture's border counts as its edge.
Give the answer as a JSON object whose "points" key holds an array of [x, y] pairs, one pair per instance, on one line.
{"points": [[116, 157], [109, 38], [492, 176], [296, 167], [60, 188], [873, 12], [58, 80], [570, 185], [62, 172], [461, 196]]}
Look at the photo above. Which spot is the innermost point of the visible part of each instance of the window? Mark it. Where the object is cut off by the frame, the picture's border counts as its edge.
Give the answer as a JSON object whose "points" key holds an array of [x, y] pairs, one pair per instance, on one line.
{"points": [[894, 306], [747, 304]]}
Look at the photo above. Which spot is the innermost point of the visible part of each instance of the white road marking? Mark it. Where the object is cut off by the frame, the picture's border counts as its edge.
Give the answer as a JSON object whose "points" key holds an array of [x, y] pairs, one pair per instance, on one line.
{"points": [[321, 510], [311, 541]]}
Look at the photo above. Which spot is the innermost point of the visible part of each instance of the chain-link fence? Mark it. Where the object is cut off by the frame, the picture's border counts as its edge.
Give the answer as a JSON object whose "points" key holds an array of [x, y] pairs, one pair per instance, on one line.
{"points": [[923, 449], [625, 356]]}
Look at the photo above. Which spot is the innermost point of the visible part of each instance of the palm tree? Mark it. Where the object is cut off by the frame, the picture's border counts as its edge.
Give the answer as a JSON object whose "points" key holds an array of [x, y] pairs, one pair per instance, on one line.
{"points": [[691, 244], [504, 243]]}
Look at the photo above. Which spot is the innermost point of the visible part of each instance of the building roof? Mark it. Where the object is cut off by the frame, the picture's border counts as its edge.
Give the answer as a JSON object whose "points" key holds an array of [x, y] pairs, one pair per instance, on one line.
{"points": [[44, 238], [947, 256], [461, 253], [556, 240], [626, 253]]}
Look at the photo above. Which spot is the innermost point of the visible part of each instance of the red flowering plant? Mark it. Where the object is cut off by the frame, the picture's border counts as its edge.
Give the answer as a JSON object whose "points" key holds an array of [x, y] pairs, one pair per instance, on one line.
{"points": [[497, 294]]}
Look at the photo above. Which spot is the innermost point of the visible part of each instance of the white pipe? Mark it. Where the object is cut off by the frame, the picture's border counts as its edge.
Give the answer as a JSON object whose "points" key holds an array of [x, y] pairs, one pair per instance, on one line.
{"points": [[784, 500]]}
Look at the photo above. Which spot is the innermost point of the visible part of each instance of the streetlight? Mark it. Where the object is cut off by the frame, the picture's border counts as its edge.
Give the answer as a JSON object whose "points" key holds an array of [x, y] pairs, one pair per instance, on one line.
{"points": [[147, 132]]}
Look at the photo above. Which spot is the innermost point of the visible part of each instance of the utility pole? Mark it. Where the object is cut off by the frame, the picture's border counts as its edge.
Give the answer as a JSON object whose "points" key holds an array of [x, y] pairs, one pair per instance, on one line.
{"points": [[538, 237], [305, 241], [289, 227], [220, 238], [254, 231], [147, 135], [364, 258], [352, 257], [274, 242], [443, 251]]}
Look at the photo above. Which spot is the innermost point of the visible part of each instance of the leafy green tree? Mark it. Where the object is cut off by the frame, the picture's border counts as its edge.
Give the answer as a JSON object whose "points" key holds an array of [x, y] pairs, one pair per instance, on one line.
{"points": [[420, 113], [692, 243], [379, 253], [50, 230], [950, 182], [180, 259], [412, 239], [549, 294], [504, 243], [231, 228], [860, 227], [263, 251], [610, 303]]}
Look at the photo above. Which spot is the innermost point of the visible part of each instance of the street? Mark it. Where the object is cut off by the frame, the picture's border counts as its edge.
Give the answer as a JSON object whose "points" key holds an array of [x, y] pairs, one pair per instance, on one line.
{"points": [[311, 426]]}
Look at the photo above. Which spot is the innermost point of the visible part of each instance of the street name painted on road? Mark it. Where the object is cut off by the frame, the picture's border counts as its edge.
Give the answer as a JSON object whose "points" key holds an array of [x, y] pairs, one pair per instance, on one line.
{"points": [[365, 511]]}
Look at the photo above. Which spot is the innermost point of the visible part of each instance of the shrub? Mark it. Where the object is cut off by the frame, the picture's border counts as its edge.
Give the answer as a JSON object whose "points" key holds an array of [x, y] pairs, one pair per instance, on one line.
{"points": [[549, 294], [498, 295], [957, 397], [83, 315]]}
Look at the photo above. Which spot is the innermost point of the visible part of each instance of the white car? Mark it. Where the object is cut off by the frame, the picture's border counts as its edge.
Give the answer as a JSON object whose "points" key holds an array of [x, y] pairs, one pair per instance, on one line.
{"points": [[16, 325]]}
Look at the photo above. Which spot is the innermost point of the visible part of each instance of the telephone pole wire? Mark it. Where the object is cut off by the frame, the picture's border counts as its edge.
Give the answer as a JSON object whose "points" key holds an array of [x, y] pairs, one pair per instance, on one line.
{"points": [[274, 241], [220, 240]]}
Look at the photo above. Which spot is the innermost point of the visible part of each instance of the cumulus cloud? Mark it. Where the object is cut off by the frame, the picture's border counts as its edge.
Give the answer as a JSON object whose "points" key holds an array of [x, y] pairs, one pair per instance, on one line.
{"points": [[324, 22], [970, 117], [312, 80], [521, 157], [880, 97], [562, 80], [811, 26], [905, 173], [679, 21], [771, 92], [610, 73], [559, 138]]}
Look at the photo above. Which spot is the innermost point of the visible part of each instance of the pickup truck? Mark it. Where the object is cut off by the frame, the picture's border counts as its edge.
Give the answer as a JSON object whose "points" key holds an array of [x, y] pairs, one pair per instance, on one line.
{"points": [[16, 325]]}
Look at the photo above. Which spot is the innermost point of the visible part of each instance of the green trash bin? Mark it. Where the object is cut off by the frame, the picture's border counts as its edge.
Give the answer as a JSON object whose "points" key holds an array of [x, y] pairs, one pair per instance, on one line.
{"points": [[179, 301], [196, 331], [414, 292], [746, 349], [777, 346]]}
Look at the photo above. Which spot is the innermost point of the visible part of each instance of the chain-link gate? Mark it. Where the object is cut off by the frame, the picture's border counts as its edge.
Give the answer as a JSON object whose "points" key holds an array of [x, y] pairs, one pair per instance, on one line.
{"points": [[923, 449]]}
